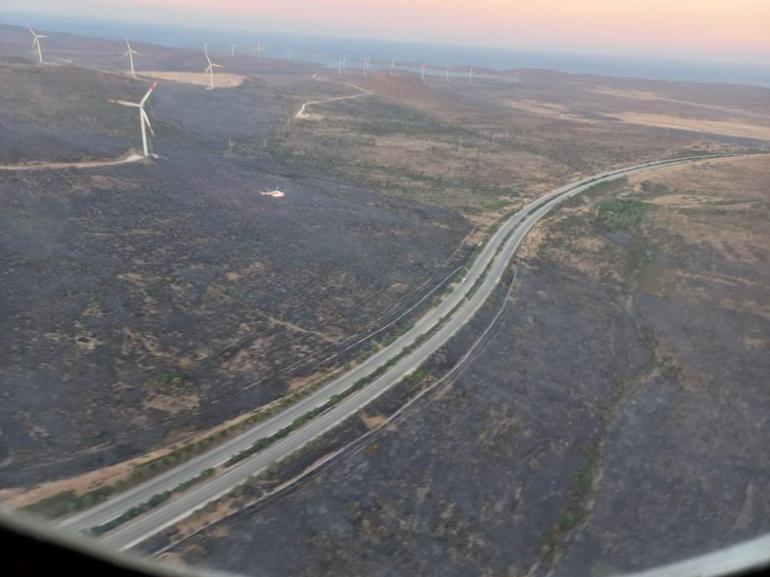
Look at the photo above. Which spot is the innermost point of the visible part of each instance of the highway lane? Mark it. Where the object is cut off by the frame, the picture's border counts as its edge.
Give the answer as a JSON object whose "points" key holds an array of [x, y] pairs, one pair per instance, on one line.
{"points": [[169, 513]]}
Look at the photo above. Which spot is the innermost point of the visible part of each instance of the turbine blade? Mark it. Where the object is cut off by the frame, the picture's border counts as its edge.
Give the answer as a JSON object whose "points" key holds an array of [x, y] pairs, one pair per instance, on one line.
{"points": [[126, 103], [149, 93], [146, 120]]}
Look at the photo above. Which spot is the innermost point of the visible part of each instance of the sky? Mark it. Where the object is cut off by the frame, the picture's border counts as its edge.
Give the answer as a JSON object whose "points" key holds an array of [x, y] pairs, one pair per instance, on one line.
{"points": [[726, 30]]}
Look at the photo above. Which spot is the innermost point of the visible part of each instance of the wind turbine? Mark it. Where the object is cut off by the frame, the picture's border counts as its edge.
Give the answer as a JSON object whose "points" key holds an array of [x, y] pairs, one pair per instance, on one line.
{"points": [[470, 75], [210, 67], [392, 66], [232, 49], [36, 43], [130, 53], [422, 72], [144, 120], [366, 65], [339, 65], [447, 73]]}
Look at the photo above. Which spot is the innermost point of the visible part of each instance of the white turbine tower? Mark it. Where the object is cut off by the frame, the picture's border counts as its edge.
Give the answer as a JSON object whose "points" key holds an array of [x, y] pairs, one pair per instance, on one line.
{"points": [[470, 74], [144, 120], [392, 66], [130, 53], [210, 67], [36, 44], [339, 65], [422, 72], [447, 73], [232, 49]]}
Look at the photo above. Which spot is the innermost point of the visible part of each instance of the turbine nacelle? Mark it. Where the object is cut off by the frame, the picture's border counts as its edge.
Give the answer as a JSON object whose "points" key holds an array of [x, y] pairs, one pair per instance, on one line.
{"points": [[210, 66], [36, 46], [36, 37], [131, 50], [144, 119], [131, 53]]}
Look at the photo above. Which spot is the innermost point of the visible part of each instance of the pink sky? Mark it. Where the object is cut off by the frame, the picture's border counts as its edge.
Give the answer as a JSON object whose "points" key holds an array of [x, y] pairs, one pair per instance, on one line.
{"points": [[724, 29]]}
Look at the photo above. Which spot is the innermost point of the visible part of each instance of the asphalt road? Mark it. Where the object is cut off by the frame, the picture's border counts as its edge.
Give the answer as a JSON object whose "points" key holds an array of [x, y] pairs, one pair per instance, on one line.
{"points": [[496, 254]]}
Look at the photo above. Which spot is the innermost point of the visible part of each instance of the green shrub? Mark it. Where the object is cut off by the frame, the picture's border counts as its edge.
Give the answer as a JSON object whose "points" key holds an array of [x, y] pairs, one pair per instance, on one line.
{"points": [[171, 382], [620, 214]]}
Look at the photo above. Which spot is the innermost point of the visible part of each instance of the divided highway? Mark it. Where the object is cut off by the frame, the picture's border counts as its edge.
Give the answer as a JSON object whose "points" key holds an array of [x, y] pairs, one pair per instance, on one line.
{"points": [[459, 307]]}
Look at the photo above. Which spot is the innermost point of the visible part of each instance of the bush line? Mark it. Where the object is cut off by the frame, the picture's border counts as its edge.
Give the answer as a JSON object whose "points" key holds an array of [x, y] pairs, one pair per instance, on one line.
{"points": [[151, 503]]}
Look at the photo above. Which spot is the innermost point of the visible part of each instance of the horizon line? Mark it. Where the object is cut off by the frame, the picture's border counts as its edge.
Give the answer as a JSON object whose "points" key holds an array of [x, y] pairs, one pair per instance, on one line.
{"points": [[221, 27]]}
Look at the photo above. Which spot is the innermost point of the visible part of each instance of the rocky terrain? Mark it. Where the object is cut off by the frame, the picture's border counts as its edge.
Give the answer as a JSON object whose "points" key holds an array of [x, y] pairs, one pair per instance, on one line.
{"points": [[615, 419]]}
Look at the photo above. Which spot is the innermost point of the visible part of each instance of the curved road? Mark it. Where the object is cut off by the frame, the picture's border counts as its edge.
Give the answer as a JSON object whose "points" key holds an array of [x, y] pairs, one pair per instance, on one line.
{"points": [[364, 92], [462, 303]]}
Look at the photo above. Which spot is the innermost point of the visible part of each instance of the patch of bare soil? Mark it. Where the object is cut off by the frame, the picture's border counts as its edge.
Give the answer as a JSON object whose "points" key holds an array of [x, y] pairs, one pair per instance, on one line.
{"points": [[653, 96], [372, 421], [737, 127], [221, 79], [549, 109], [173, 403]]}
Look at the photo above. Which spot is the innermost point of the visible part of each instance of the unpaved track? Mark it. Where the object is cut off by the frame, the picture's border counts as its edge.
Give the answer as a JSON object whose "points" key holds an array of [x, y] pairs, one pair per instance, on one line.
{"points": [[129, 158], [364, 92]]}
